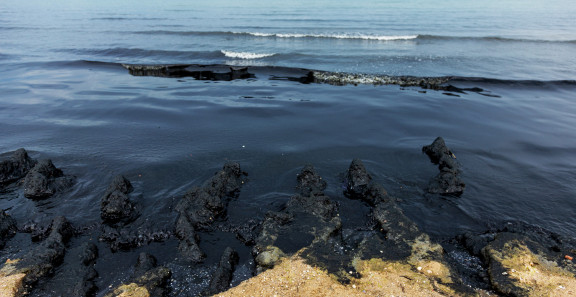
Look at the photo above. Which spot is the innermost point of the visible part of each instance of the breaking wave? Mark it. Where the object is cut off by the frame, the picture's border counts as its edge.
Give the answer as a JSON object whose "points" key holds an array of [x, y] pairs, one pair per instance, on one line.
{"points": [[245, 55], [354, 36], [333, 36]]}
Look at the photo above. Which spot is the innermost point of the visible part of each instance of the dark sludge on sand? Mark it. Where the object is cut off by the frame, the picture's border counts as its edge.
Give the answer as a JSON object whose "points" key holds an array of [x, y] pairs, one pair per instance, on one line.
{"points": [[389, 254]]}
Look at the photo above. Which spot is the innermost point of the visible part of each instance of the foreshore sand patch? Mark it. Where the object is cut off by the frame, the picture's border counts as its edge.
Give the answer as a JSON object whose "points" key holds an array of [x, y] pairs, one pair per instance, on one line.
{"points": [[294, 277]]}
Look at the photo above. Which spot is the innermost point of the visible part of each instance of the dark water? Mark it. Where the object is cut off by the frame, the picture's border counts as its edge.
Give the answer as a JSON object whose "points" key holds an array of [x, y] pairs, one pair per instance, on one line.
{"points": [[64, 95]]}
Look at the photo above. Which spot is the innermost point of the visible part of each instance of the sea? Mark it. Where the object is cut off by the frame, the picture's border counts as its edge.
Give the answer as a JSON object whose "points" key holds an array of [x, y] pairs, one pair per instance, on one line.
{"points": [[319, 82]]}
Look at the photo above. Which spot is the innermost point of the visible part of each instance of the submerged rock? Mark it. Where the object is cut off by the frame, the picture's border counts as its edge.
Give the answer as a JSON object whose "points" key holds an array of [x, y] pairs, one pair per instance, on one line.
{"points": [[201, 206], [77, 276], [22, 274], [124, 238], [116, 205], [123, 228], [359, 185], [199, 72], [309, 218], [400, 244], [148, 279], [224, 272], [44, 180], [448, 180], [15, 167], [7, 228]]}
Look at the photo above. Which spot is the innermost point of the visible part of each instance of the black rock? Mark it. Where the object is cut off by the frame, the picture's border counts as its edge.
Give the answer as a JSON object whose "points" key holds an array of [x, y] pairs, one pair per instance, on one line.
{"points": [[189, 246], [201, 206], [38, 230], [309, 182], [116, 205], [476, 242], [446, 183], [144, 263], [437, 150], [15, 167], [46, 256], [123, 238], [400, 233], [7, 228], [245, 231], [448, 180], [44, 180], [224, 272], [309, 218], [358, 181], [148, 279], [77, 275]]}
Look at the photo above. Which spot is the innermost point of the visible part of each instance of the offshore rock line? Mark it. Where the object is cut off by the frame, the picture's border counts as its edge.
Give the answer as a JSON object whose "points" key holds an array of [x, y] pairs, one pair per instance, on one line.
{"points": [[305, 76]]}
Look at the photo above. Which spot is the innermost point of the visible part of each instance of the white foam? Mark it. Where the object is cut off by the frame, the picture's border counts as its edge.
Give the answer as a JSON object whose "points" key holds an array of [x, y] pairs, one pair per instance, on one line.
{"points": [[335, 36], [245, 55], [336, 78]]}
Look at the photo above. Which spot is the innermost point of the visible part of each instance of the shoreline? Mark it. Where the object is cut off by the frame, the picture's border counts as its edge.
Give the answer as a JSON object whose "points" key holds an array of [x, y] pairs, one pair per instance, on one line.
{"points": [[302, 247]]}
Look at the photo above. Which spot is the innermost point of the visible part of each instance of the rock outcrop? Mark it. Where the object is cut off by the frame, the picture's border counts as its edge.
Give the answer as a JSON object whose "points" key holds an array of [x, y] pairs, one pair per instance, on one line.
{"points": [[7, 228], [44, 180], [15, 167], [448, 180], [22, 274], [76, 276], [523, 260], [309, 217], [116, 205], [222, 277], [123, 228], [148, 280], [400, 243], [201, 206]]}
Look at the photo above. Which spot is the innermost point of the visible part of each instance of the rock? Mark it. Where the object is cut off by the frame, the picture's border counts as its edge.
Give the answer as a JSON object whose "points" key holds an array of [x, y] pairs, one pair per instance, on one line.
{"points": [[399, 242], [144, 263], [7, 228], [199, 72], [437, 150], [359, 185], [224, 272], [148, 279], [309, 182], [124, 238], [525, 260], [123, 229], [201, 206], [115, 205], [309, 218], [475, 243], [77, 276], [448, 180], [246, 231], [188, 247], [44, 180], [358, 180], [40, 261], [518, 266], [446, 183], [269, 257], [15, 167]]}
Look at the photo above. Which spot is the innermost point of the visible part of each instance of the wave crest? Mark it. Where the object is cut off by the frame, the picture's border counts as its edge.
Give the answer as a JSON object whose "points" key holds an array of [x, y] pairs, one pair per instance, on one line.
{"points": [[245, 55], [332, 36]]}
